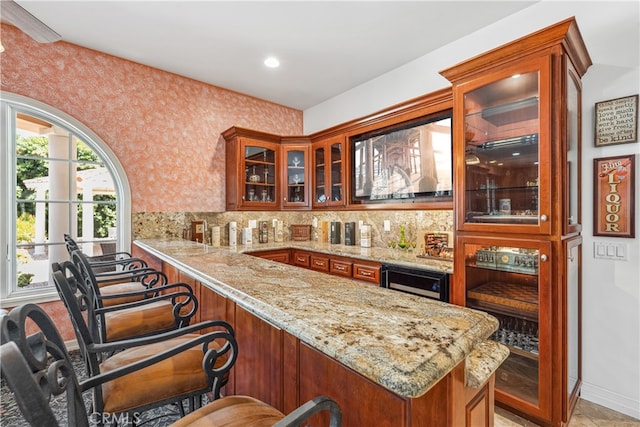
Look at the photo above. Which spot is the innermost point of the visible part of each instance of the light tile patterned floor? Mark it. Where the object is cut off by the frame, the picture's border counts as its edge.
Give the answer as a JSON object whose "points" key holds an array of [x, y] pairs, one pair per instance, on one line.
{"points": [[586, 414]]}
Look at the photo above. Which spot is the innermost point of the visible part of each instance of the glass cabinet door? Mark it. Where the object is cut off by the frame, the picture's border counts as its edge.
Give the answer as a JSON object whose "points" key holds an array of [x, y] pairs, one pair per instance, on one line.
{"points": [[319, 191], [328, 174], [260, 176], [506, 156], [572, 203], [337, 195], [296, 177], [510, 282]]}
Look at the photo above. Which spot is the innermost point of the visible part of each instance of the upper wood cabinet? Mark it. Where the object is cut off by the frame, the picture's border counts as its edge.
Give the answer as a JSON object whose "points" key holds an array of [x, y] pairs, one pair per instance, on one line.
{"points": [[329, 172], [516, 135], [272, 172], [253, 170], [265, 171]]}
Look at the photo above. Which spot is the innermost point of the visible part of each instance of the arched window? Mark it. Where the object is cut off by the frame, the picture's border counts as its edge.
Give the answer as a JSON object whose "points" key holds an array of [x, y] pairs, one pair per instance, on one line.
{"points": [[56, 177]]}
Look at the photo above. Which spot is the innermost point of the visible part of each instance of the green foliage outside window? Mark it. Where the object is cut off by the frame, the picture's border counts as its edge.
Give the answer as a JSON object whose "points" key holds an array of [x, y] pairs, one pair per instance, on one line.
{"points": [[31, 152], [25, 228]]}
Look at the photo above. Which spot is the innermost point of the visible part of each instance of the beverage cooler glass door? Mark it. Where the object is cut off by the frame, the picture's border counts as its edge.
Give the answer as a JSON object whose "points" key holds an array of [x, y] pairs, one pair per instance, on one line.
{"points": [[507, 282]]}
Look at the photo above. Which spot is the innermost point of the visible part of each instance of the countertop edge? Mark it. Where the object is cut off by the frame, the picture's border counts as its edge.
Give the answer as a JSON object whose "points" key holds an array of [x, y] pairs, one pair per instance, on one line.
{"points": [[456, 353]]}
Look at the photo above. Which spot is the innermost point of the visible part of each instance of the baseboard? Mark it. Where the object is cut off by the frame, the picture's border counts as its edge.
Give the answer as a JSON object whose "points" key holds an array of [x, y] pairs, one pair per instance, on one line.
{"points": [[610, 400]]}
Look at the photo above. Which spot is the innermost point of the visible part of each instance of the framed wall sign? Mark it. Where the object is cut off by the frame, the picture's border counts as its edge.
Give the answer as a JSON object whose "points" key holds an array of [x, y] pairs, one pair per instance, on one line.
{"points": [[616, 121], [613, 202]]}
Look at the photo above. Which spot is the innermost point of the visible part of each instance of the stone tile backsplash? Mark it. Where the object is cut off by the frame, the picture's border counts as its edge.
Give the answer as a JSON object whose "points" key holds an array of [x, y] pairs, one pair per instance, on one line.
{"points": [[172, 224]]}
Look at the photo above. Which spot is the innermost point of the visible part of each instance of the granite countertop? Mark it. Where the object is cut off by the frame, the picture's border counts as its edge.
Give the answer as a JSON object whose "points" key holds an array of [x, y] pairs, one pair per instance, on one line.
{"points": [[403, 342], [483, 362], [384, 255]]}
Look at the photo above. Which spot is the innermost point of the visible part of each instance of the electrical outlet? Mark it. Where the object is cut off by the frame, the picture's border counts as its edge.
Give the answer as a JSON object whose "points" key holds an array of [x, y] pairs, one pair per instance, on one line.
{"points": [[387, 225], [252, 223]]}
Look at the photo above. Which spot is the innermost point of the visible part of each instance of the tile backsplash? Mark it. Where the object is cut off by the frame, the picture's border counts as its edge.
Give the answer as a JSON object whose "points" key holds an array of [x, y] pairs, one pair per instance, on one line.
{"points": [[416, 222]]}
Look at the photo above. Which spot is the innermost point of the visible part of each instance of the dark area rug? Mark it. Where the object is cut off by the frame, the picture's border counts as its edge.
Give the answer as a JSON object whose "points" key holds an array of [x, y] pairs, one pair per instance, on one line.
{"points": [[10, 415]]}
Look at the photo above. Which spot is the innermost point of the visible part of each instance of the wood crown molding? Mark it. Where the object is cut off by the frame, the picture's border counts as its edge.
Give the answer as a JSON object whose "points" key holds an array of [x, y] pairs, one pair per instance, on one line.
{"points": [[564, 33]]}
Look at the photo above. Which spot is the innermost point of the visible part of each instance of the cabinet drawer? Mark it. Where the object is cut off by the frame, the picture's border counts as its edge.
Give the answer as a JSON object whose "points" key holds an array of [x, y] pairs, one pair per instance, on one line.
{"points": [[319, 263], [340, 268], [282, 257], [366, 273], [301, 259]]}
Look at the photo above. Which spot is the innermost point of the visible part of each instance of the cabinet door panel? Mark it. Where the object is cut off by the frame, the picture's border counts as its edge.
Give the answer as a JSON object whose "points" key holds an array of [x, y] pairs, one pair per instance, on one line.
{"points": [[362, 402], [504, 150], [329, 172], [258, 370], [261, 174], [511, 280], [296, 184]]}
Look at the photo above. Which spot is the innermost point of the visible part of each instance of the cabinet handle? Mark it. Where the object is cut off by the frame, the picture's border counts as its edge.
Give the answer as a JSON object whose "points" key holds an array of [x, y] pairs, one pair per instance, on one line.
{"points": [[339, 267], [543, 218], [543, 257], [284, 198], [365, 273]]}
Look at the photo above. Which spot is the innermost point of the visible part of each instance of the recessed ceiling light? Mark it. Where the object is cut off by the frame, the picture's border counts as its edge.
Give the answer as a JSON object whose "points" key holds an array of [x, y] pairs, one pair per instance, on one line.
{"points": [[272, 62]]}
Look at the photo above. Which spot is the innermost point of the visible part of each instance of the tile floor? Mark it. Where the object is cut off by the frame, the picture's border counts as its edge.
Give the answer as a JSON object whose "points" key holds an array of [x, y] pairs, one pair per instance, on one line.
{"points": [[586, 414]]}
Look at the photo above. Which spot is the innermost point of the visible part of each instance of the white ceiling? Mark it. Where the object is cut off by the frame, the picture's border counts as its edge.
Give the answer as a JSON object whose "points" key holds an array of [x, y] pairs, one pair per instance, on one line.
{"points": [[325, 47]]}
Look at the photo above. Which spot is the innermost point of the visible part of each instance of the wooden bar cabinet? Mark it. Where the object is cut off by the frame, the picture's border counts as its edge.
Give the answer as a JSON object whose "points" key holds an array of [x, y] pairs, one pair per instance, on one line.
{"points": [[517, 113]]}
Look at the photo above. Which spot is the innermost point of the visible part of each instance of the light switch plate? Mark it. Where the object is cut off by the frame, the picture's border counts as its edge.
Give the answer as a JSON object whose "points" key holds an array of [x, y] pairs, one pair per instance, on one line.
{"points": [[252, 223], [387, 225], [610, 250]]}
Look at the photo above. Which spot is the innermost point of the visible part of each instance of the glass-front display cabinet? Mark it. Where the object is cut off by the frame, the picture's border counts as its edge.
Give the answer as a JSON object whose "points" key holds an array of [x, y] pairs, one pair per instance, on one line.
{"points": [[252, 170], [508, 279], [506, 152], [260, 174], [296, 176], [329, 173], [517, 119]]}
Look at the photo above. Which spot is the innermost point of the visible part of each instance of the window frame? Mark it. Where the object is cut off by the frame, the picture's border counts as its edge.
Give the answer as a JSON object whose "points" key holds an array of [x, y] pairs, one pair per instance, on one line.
{"points": [[10, 105]]}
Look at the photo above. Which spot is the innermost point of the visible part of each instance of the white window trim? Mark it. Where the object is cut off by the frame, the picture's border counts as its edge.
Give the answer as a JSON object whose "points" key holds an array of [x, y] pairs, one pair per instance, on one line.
{"points": [[9, 104]]}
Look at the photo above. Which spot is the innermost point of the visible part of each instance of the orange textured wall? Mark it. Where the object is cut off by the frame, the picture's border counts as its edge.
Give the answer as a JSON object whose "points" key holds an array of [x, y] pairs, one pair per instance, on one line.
{"points": [[164, 129]]}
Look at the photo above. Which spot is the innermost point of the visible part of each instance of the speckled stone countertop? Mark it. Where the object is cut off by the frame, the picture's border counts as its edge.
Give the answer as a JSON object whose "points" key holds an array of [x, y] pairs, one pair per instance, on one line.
{"points": [[383, 255], [483, 362], [403, 342]]}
